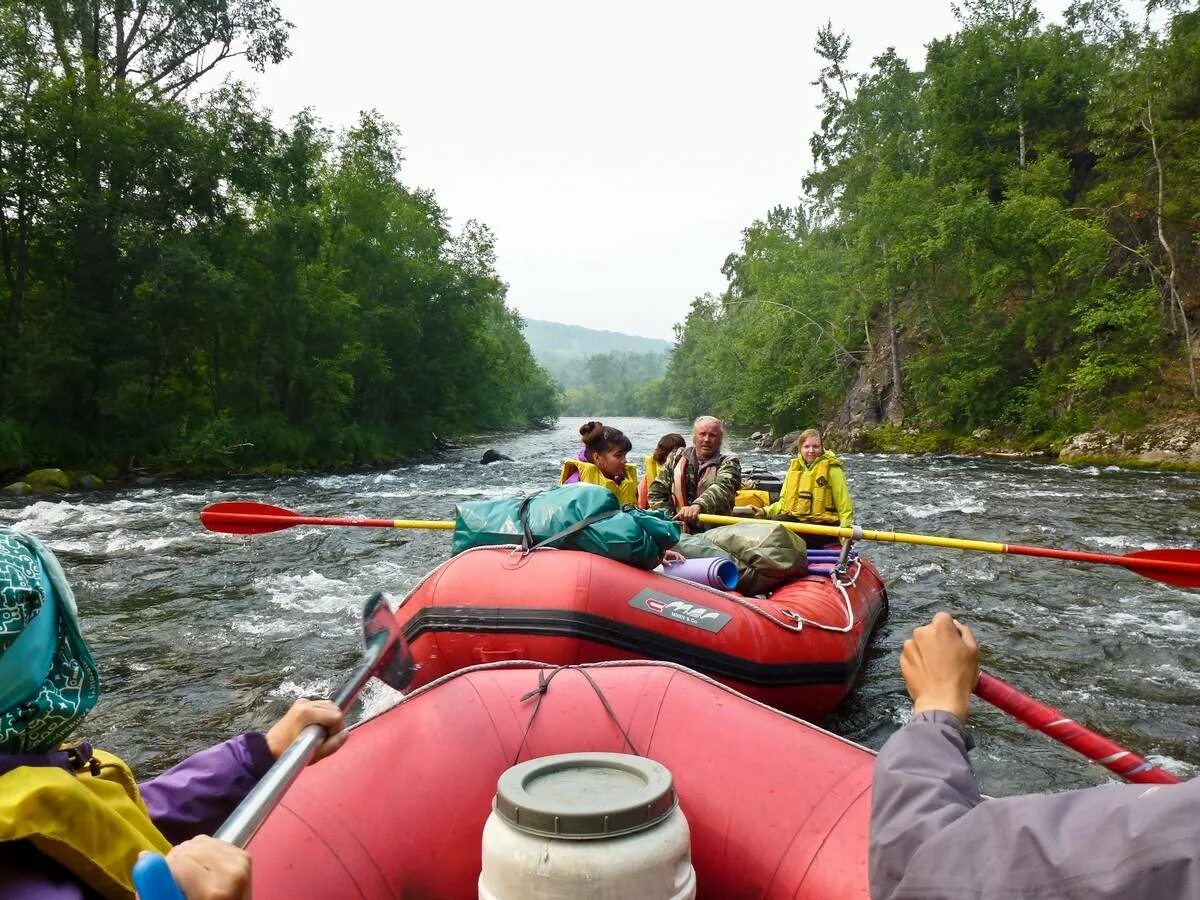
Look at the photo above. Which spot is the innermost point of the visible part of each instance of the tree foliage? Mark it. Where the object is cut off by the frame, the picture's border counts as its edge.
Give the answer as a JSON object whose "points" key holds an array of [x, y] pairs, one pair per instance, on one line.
{"points": [[184, 282], [1006, 238]]}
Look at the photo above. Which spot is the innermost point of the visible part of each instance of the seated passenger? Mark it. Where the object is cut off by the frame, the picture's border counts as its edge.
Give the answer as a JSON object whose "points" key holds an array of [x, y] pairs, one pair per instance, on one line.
{"points": [[606, 448], [699, 479], [814, 489], [72, 821], [654, 461]]}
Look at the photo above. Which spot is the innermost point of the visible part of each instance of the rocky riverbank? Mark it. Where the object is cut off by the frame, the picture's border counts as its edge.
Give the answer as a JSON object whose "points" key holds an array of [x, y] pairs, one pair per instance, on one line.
{"points": [[1172, 444]]}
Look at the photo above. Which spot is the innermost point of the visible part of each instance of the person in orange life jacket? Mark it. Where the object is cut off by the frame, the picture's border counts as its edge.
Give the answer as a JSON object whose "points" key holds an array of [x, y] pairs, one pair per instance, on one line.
{"points": [[606, 448], [933, 835], [814, 489], [653, 463], [698, 479], [72, 821]]}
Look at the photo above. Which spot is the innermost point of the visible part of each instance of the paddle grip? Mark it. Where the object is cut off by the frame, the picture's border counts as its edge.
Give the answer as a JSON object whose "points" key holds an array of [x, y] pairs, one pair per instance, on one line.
{"points": [[152, 879]]}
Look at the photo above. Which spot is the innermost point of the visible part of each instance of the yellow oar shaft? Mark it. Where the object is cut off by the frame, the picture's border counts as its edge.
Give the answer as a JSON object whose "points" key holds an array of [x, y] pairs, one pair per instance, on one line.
{"points": [[894, 537], [423, 523]]}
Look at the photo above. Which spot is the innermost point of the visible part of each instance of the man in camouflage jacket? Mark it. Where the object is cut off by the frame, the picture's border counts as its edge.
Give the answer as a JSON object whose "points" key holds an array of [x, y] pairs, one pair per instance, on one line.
{"points": [[698, 479]]}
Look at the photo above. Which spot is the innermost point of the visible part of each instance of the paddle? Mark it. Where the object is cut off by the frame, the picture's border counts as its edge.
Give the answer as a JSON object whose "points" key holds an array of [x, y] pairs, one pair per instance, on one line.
{"points": [[1068, 732], [1177, 567], [386, 657], [262, 518]]}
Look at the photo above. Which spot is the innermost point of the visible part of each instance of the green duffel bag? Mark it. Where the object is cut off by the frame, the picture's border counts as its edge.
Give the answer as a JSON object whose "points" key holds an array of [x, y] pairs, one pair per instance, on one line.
{"points": [[571, 516], [766, 553]]}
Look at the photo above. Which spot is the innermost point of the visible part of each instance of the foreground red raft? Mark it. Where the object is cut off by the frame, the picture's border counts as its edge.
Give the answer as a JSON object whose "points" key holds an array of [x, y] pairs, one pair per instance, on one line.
{"points": [[798, 650], [777, 808]]}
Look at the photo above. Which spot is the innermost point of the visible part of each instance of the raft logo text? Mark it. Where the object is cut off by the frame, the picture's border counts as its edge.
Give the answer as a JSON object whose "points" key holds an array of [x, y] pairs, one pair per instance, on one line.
{"points": [[678, 610]]}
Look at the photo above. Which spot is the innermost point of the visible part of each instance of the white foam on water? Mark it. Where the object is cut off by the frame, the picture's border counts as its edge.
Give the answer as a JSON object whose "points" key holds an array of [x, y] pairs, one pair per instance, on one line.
{"points": [[1118, 541], [260, 627], [958, 503], [319, 687], [1172, 621], [914, 573], [311, 592], [377, 697]]}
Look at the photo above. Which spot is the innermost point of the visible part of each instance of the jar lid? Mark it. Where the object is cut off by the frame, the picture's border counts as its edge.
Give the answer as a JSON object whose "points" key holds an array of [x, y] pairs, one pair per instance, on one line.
{"points": [[585, 795]]}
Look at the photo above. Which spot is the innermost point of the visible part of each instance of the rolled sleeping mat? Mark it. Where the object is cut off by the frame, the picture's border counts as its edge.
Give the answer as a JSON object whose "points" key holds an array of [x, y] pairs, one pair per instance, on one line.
{"points": [[713, 571]]}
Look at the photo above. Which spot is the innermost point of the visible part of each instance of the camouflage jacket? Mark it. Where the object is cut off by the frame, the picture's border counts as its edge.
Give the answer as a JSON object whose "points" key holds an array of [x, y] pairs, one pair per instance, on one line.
{"points": [[712, 485]]}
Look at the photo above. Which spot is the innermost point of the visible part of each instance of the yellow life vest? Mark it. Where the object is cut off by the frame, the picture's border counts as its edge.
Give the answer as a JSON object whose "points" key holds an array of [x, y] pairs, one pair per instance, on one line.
{"points": [[93, 822], [651, 467], [806, 493], [751, 497], [626, 491]]}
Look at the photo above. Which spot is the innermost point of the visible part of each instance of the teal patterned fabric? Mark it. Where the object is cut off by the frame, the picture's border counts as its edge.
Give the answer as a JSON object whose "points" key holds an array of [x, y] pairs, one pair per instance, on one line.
{"points": [[48, 680]]}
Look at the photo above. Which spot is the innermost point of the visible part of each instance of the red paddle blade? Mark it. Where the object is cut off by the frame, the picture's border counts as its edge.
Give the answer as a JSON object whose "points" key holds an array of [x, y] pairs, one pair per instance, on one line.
{"points": [[1179, 577], [246, 518]]}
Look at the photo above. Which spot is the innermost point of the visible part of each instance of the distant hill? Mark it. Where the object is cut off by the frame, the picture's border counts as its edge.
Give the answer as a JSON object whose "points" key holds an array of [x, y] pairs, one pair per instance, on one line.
{"points": [[564, 351], [556, 338]]}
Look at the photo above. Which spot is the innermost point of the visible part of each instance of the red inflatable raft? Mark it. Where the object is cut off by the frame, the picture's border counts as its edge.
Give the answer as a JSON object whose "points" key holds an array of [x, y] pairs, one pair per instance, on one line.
{"points": [[798, 650], [777, 808]]}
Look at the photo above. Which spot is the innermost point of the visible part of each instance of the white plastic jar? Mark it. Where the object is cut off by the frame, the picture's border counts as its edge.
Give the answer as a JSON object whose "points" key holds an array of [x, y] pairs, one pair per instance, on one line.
{"points": [[587, 826]]}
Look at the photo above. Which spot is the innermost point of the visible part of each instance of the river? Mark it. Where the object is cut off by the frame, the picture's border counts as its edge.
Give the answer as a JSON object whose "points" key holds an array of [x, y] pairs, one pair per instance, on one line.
{"points": [[201, 635]]}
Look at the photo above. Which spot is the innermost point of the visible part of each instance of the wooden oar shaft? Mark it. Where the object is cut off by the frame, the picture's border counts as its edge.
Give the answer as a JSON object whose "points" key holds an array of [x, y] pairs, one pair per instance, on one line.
{"points": [[1067, 731]]}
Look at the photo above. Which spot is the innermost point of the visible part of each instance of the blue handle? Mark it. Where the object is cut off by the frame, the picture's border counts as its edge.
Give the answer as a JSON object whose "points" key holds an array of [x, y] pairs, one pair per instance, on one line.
{"points": [[153, 880]]}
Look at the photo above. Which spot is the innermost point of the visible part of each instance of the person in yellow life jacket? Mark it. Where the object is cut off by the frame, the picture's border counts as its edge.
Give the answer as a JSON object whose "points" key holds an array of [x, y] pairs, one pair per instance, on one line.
{"points": [[654, 462], [814, 489], [72, 820], [605, 448]]}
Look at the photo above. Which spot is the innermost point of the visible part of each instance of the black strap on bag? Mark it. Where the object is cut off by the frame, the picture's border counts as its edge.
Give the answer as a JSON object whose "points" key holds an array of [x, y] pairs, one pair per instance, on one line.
{"points": [[527, 542]]}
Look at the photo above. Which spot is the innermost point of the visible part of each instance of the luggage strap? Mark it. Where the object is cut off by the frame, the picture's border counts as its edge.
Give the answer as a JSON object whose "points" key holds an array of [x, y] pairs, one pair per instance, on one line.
{"points": [[527, 543]]}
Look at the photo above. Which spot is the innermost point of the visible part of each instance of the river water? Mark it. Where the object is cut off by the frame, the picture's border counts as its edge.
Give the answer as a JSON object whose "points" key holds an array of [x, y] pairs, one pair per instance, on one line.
{"points": [[201, 635]]}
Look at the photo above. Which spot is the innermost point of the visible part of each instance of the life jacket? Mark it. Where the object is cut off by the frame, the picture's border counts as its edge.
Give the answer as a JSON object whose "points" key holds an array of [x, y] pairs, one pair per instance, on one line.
{"points": [[751, 497], [626, 491], [806, 493], [679, 492], [92, 822], [651, 466]]}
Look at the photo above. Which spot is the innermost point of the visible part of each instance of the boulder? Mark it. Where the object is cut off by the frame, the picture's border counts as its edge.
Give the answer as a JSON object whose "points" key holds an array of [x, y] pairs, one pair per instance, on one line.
{"points": [[88, 481], [490, 456], [17, 489], [48, 480], [756, 436]]}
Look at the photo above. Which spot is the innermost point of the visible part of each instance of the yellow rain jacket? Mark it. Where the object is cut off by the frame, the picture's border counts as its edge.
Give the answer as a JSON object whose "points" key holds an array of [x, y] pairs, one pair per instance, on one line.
{"points": [[626, 491], [92, 822], [815, 493]]}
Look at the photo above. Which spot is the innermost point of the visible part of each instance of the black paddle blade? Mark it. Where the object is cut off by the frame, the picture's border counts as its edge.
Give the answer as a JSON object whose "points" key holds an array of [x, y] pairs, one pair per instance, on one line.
{"points": [[395, 666]]}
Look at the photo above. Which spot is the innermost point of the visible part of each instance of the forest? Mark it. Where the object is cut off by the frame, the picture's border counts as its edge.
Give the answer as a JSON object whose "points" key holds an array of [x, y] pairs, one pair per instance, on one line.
{"points": [[188, 287], [1008, 239]]}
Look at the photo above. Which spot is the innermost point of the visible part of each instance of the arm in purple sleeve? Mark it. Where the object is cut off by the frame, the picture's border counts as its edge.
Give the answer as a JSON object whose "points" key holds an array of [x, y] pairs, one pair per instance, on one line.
{"points": [[197, 795], [933, 836]]}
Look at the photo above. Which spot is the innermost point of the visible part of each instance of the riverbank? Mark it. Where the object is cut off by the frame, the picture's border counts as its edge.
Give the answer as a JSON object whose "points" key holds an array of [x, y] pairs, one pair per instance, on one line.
{"points": [[43, 481], [1170, 445]]}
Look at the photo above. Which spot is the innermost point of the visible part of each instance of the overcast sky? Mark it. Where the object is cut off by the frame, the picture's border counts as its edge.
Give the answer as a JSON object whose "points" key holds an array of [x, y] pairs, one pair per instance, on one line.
{"points": [[617, 150]]}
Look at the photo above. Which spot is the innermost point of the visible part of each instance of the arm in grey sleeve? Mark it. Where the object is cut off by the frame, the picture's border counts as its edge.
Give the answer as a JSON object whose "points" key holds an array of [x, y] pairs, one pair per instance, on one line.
{"points": [[933, 836], [923, 781]]}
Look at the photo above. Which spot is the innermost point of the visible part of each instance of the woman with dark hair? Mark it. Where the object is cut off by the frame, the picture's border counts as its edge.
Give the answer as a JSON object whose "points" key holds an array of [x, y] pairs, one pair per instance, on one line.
{"points": [[604, 451], [653, 463]]}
